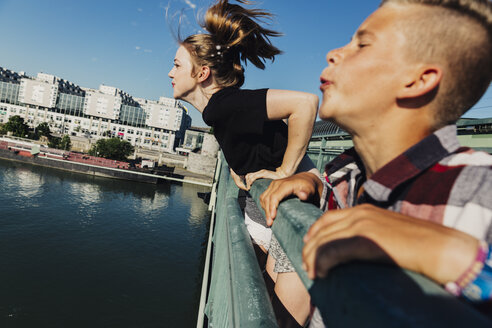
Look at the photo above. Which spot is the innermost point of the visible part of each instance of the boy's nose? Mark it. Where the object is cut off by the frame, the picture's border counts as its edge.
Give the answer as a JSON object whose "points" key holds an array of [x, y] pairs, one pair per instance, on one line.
{"points": [[334, 56]]}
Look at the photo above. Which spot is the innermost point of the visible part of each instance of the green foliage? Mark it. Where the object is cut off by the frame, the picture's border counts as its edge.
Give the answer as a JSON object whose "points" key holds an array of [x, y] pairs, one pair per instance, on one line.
{"points": [[65, 143], [43, 129], [33, 135], [54, 142], [113, 148], [60, 143], [17, 126]]}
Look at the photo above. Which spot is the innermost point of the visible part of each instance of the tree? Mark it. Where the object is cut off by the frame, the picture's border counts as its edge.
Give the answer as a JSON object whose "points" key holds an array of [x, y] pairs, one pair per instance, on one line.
{"points": [[54, 142], [17, 126], [43, 129], [113, 148], [65, 143], [60, 143]]}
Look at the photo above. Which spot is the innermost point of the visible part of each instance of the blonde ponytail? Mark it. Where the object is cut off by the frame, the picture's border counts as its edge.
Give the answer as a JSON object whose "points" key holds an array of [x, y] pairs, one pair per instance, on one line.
{"points": [[234, 36]]}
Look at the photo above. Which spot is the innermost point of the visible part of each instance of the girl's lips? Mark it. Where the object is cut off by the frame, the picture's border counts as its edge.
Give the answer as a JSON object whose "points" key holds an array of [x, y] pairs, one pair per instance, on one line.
{"points": [[325, 84]]}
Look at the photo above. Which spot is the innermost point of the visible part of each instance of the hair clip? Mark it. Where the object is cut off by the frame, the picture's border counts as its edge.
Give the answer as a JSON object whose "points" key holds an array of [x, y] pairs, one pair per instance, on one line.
{"points": [[220, 50]]}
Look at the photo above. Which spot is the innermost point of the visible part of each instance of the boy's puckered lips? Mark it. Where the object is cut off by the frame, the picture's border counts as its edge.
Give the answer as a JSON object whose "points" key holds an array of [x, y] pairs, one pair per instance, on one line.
{"points": [[324, 84]]}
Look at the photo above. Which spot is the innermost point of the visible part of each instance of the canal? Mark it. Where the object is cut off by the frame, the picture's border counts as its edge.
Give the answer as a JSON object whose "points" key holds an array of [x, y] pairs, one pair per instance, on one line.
{"points": [[82, 251]]}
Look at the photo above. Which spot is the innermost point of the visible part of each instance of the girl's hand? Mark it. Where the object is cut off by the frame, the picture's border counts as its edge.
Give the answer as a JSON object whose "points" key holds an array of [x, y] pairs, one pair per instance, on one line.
{"points": [[238, 180], [264, 174]]}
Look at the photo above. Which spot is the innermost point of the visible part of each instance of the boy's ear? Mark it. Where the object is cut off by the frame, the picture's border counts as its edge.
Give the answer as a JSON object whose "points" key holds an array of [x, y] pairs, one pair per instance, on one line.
{"points": [[203, 74], [422, 83]]}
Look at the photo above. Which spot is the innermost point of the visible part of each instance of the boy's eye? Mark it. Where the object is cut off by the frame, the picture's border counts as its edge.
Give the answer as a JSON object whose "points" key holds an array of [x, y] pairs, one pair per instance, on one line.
{"points": [[362, 45]]}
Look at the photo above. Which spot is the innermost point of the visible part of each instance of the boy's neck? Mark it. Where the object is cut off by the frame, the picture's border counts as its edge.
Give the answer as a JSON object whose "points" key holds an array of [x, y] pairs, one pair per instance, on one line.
{"points": [[380, 145]]}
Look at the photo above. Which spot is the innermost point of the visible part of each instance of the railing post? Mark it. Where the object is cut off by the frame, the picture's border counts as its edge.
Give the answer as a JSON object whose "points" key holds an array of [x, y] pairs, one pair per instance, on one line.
{"points": [[319, 162]]}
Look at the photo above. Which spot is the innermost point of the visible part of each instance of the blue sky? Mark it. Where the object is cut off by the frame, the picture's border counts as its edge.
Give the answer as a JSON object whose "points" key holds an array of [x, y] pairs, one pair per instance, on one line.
{"points": [[128, 44]]}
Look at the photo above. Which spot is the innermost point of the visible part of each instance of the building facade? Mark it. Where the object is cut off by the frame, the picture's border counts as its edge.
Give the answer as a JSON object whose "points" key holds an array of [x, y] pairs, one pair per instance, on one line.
{"points": [[84, 112]]}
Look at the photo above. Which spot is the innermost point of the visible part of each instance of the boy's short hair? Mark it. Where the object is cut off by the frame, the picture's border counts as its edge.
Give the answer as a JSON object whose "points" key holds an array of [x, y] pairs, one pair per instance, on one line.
{"points": [[457, 34]]}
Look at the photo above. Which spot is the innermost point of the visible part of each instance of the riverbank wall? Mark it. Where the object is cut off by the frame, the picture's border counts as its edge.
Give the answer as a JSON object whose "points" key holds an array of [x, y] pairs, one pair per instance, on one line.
{"points": [[60, 160]]}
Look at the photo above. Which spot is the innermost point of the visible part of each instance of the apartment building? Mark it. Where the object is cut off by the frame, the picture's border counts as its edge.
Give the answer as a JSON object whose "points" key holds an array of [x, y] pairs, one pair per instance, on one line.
{"points": [[93, 113]]}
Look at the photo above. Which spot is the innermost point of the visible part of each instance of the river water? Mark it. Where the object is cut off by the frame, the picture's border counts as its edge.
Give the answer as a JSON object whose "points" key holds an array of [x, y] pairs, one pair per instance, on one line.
{"points": [[82, 251]]}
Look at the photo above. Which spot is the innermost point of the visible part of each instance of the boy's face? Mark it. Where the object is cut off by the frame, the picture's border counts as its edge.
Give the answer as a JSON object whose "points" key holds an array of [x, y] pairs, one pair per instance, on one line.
{"points": [[360, 84]]}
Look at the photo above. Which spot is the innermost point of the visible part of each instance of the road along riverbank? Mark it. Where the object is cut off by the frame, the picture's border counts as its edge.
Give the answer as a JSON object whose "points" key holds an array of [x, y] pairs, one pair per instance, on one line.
{"points": [[34, 154]]}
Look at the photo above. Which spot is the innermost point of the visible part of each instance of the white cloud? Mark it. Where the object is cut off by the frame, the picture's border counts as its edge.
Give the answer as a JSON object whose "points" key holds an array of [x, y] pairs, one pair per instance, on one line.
{"points": [[191, 4], [138, 48], [139, 10]]}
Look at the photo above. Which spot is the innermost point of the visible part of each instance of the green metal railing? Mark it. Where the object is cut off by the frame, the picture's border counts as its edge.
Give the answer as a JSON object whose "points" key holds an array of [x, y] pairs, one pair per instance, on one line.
{"points": [[237, 295], [353, 295], [326, 145], [365, 294]]}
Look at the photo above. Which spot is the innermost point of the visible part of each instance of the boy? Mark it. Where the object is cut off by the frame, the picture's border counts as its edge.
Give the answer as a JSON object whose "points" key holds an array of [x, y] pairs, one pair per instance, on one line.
{"points": [[409, 73]]}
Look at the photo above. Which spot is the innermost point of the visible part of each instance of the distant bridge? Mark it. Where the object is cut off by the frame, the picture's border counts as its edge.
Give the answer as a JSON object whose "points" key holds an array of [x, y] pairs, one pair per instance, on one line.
{"points": [[328, 140]]}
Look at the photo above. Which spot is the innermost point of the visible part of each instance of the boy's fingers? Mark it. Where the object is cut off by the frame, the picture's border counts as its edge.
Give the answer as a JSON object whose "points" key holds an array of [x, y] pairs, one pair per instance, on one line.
{"points": [[325, 220]]}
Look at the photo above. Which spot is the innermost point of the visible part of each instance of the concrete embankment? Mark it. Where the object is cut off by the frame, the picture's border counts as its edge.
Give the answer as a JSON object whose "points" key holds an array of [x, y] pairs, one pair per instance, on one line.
{"points": [[107, 172]]}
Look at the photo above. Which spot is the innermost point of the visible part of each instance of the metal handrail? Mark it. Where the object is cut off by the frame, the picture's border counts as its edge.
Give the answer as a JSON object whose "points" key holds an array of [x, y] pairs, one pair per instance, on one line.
{"points": [[206, 271], [237, 295], [354, 294], [367, 294]]}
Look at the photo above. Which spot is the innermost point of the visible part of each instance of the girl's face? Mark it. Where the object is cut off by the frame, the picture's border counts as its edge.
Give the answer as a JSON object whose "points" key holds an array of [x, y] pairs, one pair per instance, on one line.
{"points": [[181, 74]]}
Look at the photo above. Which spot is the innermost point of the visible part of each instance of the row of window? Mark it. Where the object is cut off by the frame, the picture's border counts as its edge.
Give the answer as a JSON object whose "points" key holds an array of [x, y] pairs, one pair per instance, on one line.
{"points": [[9, 93], [68, 102]]}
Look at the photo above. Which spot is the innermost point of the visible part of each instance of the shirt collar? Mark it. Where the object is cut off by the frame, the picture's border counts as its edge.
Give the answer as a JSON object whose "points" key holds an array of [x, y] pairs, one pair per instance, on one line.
{"points": [[410, 163]]}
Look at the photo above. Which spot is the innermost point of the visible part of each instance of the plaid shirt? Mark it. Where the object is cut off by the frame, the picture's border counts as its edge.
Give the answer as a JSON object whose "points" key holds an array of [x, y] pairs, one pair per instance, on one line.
{"points": [[435, 180]]}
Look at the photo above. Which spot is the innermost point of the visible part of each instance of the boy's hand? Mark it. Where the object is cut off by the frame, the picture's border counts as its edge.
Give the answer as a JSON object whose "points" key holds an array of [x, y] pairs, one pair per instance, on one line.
{"points": [[304, 185], [369, 233]]}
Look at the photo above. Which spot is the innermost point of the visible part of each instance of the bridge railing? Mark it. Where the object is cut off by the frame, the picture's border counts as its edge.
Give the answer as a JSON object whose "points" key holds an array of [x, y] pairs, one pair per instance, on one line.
{"points": [[237, 295], [353, 295], [367, 294], [325, 146]]}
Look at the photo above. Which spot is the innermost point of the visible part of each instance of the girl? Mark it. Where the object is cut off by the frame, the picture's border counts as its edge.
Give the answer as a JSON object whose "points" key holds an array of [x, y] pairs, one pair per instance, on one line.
{"points": [[248, 124]]}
